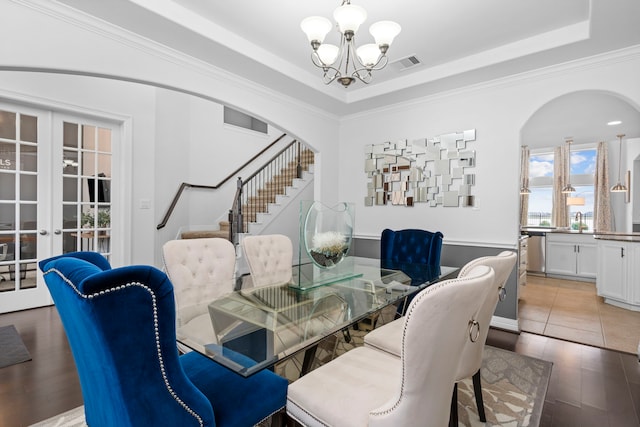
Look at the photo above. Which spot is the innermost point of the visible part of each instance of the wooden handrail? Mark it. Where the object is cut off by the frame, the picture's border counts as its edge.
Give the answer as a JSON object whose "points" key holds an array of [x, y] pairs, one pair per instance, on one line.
{"points": [[184, 185]]}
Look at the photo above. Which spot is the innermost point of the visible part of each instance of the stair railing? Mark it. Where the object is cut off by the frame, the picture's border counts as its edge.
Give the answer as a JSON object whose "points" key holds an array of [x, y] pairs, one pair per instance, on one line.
{"points": [[186, 185], [263, 186]]}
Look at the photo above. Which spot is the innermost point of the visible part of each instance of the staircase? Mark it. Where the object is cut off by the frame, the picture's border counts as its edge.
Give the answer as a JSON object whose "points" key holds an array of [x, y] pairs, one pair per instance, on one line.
{"points": [[264, 188], [276, 186]]}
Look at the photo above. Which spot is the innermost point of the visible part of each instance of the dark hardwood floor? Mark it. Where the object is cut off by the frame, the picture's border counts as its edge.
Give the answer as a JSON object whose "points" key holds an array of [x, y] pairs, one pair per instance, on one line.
{"points": [[589, 386]]}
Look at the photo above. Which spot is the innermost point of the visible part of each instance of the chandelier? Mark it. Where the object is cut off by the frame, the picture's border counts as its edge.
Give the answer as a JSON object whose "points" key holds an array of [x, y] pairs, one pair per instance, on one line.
{"points": [[336, 61]]}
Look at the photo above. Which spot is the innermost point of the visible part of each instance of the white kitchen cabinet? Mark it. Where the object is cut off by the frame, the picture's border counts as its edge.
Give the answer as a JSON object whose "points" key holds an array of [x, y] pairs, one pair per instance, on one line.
{"points": [[571, 254], [619, 273]]}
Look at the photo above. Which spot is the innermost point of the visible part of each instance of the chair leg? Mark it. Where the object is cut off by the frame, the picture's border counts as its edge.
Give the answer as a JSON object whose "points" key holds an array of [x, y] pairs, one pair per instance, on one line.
{"points": [[453, 415], [477, 390]]}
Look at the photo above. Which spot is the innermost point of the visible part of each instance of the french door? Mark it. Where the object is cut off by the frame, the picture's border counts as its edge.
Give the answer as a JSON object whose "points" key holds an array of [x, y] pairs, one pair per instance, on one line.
{"points": [[55, 195]]}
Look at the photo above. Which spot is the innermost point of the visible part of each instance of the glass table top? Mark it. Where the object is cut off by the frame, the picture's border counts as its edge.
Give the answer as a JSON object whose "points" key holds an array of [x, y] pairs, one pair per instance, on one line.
{"points": [[254, 328]]}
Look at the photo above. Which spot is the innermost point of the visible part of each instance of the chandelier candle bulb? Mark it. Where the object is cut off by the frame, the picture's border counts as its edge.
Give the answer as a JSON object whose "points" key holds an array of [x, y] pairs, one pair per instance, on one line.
{"points": [[349, 18], [316, 29], [384, 32], [368, 54], [328, 53]]}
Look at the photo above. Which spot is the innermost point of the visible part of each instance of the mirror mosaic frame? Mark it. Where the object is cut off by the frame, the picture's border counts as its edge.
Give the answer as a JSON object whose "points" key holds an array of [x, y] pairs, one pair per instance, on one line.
{"points": [[436, 171]]}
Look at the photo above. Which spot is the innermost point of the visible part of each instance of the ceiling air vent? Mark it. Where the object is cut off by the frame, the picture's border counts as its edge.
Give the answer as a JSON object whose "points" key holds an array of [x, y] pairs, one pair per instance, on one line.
{"points": [[406, 63]]}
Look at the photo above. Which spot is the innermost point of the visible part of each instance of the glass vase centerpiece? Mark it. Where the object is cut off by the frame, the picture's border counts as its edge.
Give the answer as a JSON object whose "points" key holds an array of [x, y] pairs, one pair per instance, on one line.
{"points": [[325, 239]]}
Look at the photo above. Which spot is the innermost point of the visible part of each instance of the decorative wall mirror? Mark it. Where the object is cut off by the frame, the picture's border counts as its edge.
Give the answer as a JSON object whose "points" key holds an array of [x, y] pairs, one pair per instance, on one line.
{"points": [[435, 171]]}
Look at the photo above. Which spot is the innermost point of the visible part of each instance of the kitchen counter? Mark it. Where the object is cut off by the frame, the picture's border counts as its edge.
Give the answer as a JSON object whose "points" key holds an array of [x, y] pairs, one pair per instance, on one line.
{"points": [[618, 236], [545, 230]]}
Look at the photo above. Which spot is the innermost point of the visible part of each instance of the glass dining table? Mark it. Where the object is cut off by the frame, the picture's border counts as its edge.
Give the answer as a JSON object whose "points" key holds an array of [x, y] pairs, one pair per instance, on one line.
{"points": [[257, 327]]}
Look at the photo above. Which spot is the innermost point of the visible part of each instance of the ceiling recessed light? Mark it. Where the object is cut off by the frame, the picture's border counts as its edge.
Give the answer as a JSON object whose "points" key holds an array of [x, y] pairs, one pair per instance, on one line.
{"points": [[614, 122]]}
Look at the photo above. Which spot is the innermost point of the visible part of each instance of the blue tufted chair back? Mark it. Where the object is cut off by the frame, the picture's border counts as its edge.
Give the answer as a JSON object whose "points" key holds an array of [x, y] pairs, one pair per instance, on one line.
{"points": [[127, 378], [411, 246]]}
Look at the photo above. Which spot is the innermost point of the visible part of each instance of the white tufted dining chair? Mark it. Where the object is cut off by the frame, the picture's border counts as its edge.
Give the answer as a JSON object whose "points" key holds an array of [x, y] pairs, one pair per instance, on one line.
{"points": [[388, 337], [269, 257], [201, 271], [368, 387]]}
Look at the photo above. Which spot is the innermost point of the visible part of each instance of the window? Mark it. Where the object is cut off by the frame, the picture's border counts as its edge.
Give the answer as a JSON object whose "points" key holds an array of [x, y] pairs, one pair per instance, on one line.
{"points": [[583, 163], [237, 118]]}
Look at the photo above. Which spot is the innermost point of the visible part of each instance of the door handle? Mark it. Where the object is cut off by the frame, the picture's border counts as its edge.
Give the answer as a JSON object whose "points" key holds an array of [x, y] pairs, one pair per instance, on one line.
{"points": [[57, 231], [621, 252], [43, 232]]}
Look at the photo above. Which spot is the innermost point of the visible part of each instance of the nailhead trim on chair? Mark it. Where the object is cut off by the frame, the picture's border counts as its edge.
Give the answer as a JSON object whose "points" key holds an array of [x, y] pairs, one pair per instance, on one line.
{"points": [[155, 326]]}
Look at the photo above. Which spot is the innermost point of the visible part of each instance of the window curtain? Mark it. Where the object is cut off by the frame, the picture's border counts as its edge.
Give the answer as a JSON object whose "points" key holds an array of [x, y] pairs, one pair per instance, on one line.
{"points": [[602, 201], [524, 183], [560, 213]]}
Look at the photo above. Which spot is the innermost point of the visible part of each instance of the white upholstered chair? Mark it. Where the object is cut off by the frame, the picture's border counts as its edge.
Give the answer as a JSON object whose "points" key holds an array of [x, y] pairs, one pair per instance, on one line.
{"points": [[201, 271], [269, 257], [370, 387], [387, 337]]}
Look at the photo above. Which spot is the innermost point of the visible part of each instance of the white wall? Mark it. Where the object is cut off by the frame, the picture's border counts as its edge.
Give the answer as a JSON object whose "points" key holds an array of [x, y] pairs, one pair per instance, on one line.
{"points": [[498, 111]]}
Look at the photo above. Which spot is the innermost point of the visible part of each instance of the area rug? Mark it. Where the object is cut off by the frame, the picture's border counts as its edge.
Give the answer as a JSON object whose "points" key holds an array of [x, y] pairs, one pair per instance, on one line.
{"points": [[12, 349]]}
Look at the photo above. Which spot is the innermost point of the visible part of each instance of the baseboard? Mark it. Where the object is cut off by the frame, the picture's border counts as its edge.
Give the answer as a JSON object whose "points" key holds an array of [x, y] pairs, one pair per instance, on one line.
{"points": [[504, 323]]}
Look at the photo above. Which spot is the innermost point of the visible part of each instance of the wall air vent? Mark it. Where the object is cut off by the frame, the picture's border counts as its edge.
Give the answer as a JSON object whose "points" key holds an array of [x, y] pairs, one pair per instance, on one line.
{"points": [[406, 63]]}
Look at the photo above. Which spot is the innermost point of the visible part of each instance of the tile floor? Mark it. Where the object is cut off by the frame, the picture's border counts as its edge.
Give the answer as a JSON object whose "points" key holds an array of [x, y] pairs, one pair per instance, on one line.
{"points": [[572, 311]]}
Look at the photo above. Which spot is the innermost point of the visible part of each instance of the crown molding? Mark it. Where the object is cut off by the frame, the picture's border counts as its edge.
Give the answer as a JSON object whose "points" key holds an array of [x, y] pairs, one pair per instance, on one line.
{"points": [[593, 62]]}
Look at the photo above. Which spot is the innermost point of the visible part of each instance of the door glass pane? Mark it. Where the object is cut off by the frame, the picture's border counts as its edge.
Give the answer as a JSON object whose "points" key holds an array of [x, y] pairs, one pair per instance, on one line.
{"points": [[28, 216], [7, 125], [104, 165], [69, 241], [88, 189], [89, 137], [70, 135], [29, 157], [7, 186], [70, 162], [70, 216], [28, 246], [7, 156], [28, 187], [69, 189], [28, 128], [104, 140], [28, 275], [88, 163], [7, 250], [7, 216]]}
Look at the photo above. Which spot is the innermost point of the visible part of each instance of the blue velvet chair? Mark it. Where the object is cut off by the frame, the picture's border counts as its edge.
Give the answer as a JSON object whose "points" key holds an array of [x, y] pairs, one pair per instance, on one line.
{"points": [[411, 246], [405, 249], [121, 328]]}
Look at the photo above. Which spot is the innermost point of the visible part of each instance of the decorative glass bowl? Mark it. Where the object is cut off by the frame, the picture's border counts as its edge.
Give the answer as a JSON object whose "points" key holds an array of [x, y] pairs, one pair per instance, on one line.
{"points": [[326, 232]]}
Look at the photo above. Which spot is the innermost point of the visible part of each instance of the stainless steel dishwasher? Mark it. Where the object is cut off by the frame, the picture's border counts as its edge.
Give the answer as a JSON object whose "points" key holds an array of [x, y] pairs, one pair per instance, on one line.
{"points": [[536, 252]]}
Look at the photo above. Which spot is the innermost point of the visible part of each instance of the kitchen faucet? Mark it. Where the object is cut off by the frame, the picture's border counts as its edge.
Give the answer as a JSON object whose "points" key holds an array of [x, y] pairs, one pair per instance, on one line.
{"points": [[579, 219]]}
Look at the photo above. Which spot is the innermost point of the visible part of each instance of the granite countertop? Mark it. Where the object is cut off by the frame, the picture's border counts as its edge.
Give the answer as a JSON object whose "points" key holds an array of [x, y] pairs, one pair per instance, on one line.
{"points": [[601, 235], [617, 235], [553, 230]]}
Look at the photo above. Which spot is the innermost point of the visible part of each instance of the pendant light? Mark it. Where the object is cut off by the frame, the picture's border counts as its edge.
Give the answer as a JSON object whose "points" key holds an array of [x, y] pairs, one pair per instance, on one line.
{"points": [[619, 188], [569, 188]]}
